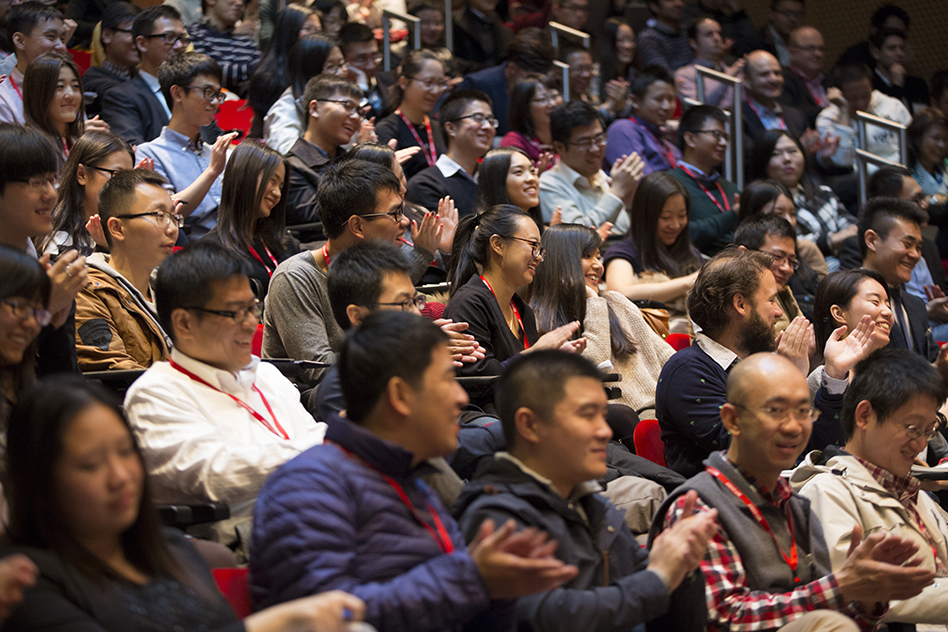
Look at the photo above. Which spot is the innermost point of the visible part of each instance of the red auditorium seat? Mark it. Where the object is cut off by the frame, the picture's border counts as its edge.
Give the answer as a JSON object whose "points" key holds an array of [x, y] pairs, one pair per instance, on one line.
{"points": [[679, 341], [235, 115], [233, 584], [648, 441]]}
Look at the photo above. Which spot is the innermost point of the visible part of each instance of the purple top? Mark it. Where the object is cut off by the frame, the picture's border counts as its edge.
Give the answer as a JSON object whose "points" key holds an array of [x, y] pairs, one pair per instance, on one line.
{"points": [[531, 146], [635, 135]]}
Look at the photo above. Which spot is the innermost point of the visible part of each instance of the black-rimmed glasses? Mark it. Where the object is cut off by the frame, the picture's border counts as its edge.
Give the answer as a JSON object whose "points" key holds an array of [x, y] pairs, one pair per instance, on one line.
{"points": [[171, 38], [480, 119], [537, 250], [25, 311], [210, 94], [599, 140], [111, 172], [396, 214], [350, 106], [419, 300], [161, 218], [239, 315]]}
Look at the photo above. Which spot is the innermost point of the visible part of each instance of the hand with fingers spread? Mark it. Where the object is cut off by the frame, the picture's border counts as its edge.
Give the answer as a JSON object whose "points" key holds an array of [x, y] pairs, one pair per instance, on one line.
{"points": [[427, 235], [937, 305], [604, 230], [794, 343], [403, 155], [678, 550], [626, 174], [146, 163], [463, 347], [841, 353], [544, 161], [448, 215], [516, 563]]}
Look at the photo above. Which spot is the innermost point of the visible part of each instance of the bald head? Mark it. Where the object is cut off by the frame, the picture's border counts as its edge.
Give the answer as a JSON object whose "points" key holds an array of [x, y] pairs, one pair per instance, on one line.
{"points": [[757, 374], [807, 49], [763, 77]]}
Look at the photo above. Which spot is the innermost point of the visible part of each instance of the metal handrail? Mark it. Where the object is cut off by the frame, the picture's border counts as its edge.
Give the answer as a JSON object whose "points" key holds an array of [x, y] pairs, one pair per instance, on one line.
{"points": [[448, 26], [862, 158], [564, 71], [734, 159], [387, 36], [557, 29], [862, 118]]}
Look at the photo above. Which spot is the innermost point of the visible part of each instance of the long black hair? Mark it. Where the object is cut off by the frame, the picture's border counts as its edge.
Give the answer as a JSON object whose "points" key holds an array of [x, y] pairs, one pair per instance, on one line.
{"points": [[758, 194], [764, 151], [471, 245], [558, 292], [307, 58], [676, 260], [492, 181]]}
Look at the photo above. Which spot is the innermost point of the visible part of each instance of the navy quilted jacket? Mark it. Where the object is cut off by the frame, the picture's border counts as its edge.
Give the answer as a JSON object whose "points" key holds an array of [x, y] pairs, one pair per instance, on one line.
{"points": [[327, 520]]}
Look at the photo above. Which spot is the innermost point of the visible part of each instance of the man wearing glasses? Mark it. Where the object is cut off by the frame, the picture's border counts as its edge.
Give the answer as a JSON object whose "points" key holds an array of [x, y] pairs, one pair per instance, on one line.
{"points": [[213, 421], [116, 323], [191, 83], [889, 414], [361, 50]]}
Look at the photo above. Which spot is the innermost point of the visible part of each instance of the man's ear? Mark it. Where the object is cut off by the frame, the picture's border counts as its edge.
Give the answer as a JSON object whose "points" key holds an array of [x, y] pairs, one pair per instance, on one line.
{"points": [[107, 36], [115, 228], [18, 43], [356, 226], [872, 239], [693, 44], [689, 139], [559, 148], [527, 423], [729, 415], [740, 304], [183, 322], [400, 396], [177, 93], [356, 314], [140, 43], [864, 414], [634, 102], [450, 128]]}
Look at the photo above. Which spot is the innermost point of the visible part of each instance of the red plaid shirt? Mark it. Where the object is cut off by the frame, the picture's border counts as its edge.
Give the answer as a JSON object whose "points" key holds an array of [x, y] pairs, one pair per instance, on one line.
{"points": [[732, 606]]}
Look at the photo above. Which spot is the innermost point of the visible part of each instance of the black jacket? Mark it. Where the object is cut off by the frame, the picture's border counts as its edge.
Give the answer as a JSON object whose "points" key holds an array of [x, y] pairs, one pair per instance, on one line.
{"points": [[796, 94], [307, 161], [479, 43]]}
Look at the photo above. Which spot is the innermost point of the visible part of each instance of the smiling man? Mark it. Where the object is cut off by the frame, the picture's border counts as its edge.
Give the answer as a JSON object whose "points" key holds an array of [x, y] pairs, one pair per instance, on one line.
{"points": [[889, 415], [213, 421], [763, 82]]}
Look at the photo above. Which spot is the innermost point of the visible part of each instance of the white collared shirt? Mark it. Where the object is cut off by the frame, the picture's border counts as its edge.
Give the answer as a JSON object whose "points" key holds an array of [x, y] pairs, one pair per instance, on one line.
{"points": [[448, 167], [582, 200], [721, 355], [152, 82]]}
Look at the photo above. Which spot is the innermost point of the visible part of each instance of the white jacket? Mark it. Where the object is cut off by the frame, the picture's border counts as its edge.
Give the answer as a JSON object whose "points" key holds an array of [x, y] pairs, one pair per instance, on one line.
{"points": [[882, 142]]}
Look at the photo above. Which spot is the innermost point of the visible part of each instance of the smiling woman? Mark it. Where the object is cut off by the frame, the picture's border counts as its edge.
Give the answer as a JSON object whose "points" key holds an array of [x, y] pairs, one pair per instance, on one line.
{"points": [[52, 101], [508, 176]]}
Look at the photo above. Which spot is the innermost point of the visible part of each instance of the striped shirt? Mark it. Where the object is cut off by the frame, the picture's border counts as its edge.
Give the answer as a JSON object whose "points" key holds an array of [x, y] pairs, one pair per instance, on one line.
{"points": [[237, 55]]}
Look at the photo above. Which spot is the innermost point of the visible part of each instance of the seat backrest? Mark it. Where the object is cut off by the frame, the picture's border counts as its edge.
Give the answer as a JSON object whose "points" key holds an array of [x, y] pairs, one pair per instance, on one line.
{"points": [[234, 585], [647, 438], [679, 341], [256, 346]]}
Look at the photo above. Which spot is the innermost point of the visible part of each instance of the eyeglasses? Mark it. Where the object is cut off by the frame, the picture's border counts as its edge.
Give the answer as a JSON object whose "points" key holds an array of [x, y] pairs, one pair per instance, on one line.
{"points": [[783, 260], [25, 311], [161, 218], [810, 49], [783, 413], [111, 172], [915, 432], [369, 58], [351, 107], [336, 69], [209, 93], [587, 143], [716, 133], [117, 30], [537, 250], [551, 98], [39, 182], [480, 119], [396, 214], [239, 315], [171, 38], [419, 301], [432, 84]]}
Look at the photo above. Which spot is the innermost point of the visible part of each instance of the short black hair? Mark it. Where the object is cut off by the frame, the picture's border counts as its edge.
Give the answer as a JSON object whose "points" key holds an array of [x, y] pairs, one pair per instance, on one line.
{"points": [[850, 73], [888, 379], [752, 232], [357, 273], [537, 381], [887, 182], [118, 193], [694, 119], [144, 23], [24, 17], [349, 188], [180, 69], [652, 74], [531, 50], [877, 40], [568, 116], [24, 152], [388, 344], [452, 108], [880, 215], [325, 86], [354, 33], [116, 14], [186, 277], [885, 12]]}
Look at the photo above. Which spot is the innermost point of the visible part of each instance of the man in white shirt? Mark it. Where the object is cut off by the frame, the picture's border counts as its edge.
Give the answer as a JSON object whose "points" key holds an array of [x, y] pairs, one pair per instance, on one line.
{"points": [[577, 185], [213, 422]]}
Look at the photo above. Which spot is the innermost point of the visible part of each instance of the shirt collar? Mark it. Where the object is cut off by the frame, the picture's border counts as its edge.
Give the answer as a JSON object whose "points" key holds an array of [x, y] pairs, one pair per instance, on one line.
{"points": [[697, 171], [708, 64], [580, 181], [721, 355], [226, 381], [583, 489], [775, 112], [905, 488], [777, 497], [16, 75], [150, 80], [885, 79], [448, 167], [181, 140]]}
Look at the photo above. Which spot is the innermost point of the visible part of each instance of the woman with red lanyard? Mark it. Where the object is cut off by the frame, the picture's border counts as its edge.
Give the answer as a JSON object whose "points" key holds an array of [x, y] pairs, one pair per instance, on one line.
{"points": [[420, 82], [252, 215], [495, 252]]}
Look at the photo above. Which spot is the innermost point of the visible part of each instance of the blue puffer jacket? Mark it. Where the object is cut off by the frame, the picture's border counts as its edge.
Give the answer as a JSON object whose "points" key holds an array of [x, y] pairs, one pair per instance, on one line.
{"points": [[327, 520]]}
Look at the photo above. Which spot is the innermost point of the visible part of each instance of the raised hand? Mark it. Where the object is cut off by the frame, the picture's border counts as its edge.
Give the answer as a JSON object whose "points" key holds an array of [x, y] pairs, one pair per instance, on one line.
{"points": [[841, 354], [94, 227], [794, 343], [17, 573], [146, 163], [403, 155], [68, 276], [219, 152], [448, 215], [367, 131], [427, 235], [557, 338]]}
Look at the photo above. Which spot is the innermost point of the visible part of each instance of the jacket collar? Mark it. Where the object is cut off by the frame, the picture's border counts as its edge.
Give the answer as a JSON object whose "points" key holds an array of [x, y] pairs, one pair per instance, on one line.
{"points": [[383, 455], [311, 155]]}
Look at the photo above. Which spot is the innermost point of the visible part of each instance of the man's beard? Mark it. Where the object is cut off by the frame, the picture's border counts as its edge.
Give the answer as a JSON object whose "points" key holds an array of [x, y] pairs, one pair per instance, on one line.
{"points": [[756, 335]]}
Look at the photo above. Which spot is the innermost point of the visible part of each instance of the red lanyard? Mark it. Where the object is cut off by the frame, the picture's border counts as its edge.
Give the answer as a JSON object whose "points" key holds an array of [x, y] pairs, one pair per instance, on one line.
{"points": [[513, 306], [438, 533], [431, 157], [780, 122], [791, 560], [326, 253], [822, 102], [257, 256], [16, 87], [924, 532], [666, 153], [708, 193], [242, 404]]}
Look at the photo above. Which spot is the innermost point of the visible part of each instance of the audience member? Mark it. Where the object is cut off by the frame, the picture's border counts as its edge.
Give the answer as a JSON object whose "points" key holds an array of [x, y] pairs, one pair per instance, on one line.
{"points": [[215, 36], [581, 87], [530, 52], [121, 54], [191, 82], [532, 102], [577, 184], [553, 409], [734, 301], [618, 62], [855, 94], [420, 81], [888, 16], [703, 141], [480, 36], [751, 580], [252, 216], [361, 51], [117, 327], [468, 125], [403, 402], [285, 121], [35, 29], [431, 14], [333, 15], [656, 260], [888, 415], [664, 42], [270, 78], [571, 13], [94, 159], [566, 289], [890, 77], [784, 17], [333, 116], [805, 84], [643, 133], [762, 112], [706, 40], [736, 25], [105, 563], [928, 148], [214, 421], [506, 176], [52, 102]]}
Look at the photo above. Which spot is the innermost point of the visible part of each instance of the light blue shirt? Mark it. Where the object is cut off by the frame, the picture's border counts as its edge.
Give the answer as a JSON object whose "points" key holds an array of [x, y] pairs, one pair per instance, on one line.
{"points": [[179, 160], [7, 64], [152, 82]]}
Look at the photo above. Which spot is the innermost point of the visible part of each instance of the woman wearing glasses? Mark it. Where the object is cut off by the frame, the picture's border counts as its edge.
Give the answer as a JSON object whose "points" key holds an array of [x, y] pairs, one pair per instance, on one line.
{"points": [[656, 261], [94, 159], [496, 252], [420, 82], [252, 216], [531, 103]]}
